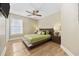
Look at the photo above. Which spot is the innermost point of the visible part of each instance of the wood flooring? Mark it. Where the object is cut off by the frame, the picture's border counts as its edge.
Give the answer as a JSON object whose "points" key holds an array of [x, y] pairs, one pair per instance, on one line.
{"points": [[17, 48]]}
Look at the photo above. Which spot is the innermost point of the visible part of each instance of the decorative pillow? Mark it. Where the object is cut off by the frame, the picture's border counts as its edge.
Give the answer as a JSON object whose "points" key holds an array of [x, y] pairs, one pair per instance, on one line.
{"points": [[42, 32], [36, 32], [47, 32], [39, 32]]}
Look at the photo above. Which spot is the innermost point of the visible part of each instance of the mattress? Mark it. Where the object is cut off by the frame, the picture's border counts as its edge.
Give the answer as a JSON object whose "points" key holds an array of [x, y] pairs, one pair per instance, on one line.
{"points": [[32, 38]]}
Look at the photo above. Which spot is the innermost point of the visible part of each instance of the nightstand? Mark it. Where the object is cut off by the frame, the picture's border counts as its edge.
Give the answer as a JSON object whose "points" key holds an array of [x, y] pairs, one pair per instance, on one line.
{"points": [[57, 38]]}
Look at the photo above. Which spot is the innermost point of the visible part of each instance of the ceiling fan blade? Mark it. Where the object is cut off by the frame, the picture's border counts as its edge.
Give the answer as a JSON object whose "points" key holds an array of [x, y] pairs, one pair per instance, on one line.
{"points": [[38, 15], [29, 15], [28, 12]]}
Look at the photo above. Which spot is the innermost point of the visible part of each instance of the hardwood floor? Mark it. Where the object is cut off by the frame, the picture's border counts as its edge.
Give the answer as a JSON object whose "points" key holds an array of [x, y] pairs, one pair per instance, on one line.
{"points": [[17, 48]]}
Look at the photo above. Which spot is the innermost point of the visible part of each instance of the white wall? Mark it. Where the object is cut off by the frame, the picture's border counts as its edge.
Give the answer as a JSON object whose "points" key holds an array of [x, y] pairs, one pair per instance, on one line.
{"points": [[70, 27], [7, 29], [2, 33], [29, 25], [50, 21]]}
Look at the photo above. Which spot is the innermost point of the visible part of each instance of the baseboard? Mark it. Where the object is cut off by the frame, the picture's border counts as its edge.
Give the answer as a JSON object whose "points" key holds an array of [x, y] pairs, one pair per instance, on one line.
{"points": [[3, 53], [67, 51]]}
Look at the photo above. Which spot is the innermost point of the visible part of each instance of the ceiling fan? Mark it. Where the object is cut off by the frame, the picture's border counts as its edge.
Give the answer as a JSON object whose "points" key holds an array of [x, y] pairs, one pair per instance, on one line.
{"points": [[34, 13]]}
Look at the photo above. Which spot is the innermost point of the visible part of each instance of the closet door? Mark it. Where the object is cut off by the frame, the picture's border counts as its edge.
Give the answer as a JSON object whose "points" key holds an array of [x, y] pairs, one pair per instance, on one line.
{"points": [[2, 33]]}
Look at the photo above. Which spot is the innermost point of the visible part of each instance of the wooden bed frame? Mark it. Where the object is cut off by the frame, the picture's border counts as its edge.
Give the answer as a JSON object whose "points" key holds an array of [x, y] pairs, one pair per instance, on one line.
{"points": [[51, 32]]}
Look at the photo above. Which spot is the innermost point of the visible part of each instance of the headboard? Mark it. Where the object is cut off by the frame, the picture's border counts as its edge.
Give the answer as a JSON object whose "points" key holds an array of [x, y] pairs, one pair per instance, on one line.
{"points": [[51, 31]]}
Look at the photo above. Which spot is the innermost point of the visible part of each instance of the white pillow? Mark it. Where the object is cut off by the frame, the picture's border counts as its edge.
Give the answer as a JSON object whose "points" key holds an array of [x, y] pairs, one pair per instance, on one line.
{"points": [[39, 32]]}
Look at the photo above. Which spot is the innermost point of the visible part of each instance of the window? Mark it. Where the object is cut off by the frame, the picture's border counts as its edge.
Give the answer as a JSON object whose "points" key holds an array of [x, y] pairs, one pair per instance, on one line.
{"points": [[16, 27]]}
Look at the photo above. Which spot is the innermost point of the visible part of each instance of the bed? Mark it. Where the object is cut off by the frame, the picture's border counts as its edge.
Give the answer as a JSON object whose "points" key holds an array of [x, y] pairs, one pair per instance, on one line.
{"points": [[32, 40]]}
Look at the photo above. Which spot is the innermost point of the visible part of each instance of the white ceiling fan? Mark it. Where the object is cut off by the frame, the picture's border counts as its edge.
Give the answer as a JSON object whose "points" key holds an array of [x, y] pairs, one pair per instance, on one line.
{"points": [[37, 8], [34, 13]]}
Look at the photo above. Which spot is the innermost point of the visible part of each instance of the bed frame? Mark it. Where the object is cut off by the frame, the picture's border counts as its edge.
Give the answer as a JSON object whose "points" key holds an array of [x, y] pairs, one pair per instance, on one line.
{"points": [[51, 32]]}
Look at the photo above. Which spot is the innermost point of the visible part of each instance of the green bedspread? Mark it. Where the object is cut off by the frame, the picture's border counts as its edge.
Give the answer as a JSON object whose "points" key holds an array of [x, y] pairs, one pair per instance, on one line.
{"points": [[32, 38]]}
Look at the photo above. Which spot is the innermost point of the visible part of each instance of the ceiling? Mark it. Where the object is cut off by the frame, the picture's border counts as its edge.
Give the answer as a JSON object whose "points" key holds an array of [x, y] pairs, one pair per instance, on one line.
{"points": [[44, 8]]}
